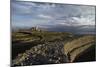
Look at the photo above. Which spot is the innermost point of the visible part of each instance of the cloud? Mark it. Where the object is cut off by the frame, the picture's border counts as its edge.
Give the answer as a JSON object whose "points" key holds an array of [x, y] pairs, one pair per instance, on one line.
{"points": [[45, 16], [20, 8], [84, 20], [52, 14]]}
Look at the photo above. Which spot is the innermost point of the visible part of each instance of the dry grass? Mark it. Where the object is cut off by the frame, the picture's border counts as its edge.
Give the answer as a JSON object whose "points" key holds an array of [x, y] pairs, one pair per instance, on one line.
{"points": [[78, 46]]}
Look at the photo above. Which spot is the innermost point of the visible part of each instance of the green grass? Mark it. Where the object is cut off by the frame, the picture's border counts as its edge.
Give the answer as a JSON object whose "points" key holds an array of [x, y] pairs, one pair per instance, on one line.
{"points": [[42, 36]]}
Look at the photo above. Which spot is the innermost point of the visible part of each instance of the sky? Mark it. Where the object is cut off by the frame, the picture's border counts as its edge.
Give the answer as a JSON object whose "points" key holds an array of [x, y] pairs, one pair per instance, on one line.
{"points": [[30, 14]]}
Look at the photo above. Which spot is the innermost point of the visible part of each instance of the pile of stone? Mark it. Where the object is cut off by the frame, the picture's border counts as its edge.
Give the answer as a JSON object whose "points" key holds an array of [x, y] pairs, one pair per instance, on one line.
{"points": [[48, 53]]}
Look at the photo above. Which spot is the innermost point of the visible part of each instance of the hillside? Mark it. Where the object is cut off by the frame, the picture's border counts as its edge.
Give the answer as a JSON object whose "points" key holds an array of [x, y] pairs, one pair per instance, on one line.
{"points": [[35, 47], [78, 47]]}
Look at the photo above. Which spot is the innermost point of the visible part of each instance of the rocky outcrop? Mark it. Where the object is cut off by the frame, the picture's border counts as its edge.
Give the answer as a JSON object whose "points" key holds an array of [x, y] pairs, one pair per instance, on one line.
{"points": [[79, 47], [48, 53]]}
